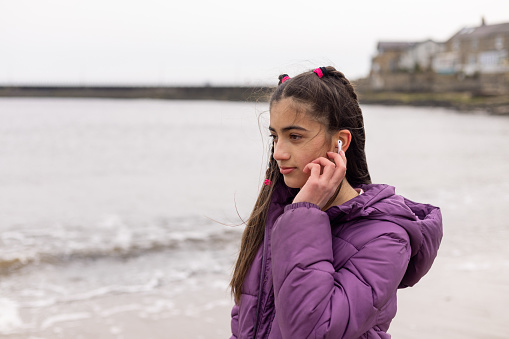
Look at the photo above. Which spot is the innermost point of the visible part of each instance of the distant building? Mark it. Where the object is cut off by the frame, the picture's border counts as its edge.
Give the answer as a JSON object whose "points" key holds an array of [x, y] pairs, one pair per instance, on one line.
{"points": [[475, 50], [389, 55], [475, 59], [419, 57], [387, 60]]}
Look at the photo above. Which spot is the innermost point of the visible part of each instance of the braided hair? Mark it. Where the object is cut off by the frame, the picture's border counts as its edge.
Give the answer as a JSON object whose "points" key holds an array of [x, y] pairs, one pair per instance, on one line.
{"points": [[332, 101]]}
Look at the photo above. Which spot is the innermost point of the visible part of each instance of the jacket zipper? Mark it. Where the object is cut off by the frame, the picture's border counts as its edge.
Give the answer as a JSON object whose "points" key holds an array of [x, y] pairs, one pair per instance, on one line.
{"points": [[260, 287]]}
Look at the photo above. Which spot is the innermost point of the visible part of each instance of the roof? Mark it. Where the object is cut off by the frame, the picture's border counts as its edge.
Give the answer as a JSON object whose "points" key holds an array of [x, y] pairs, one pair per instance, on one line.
{"points": [[481, 31], [394, 45]]}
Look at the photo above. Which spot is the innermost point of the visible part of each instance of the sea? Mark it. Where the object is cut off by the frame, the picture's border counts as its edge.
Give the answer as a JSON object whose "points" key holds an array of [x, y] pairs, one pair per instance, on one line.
{"points": [[122, 218]]}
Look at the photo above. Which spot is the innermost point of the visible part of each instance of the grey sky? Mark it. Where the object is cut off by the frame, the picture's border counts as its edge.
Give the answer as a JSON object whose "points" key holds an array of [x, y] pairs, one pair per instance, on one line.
{"points": [[217, 42]]}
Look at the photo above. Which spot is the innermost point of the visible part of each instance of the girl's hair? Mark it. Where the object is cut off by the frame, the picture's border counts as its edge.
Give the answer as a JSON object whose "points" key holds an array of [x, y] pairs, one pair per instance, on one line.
{"points": [[330, 99]]}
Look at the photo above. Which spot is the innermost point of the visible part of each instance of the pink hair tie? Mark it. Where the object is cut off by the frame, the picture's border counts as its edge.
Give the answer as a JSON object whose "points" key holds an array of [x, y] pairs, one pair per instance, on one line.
{"points": [[285, 78], [321, 71], [267, 182]]}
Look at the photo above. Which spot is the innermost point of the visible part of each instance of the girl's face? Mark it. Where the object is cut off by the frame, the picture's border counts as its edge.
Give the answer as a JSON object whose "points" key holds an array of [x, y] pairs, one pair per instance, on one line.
{"points": [[298, 140]]}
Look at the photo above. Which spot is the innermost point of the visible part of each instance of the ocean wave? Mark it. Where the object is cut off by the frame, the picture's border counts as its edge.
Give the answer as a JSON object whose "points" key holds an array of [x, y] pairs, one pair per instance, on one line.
{"points": [[114, 239]]}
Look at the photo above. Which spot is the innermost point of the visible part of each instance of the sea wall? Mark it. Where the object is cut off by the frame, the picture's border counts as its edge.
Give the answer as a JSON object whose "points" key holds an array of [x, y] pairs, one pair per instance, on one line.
{"points": [[242, 93]]}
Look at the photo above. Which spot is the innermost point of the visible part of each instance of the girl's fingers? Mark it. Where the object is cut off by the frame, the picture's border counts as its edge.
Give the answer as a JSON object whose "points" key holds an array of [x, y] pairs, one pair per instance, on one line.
{"points": [[340, 160], [324, 178], [328, 166], [322, 161], [308, 167], [343, 156], [314, 170]]}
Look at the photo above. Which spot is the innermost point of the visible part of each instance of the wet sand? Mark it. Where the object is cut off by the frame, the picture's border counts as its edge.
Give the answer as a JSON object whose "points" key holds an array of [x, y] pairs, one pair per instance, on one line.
{"points": [[193, 310], [451, 302]]}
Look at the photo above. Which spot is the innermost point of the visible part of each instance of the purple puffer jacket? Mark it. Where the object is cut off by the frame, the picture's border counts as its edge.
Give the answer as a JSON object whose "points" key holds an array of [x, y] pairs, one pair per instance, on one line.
{"points": [[334, 274]]}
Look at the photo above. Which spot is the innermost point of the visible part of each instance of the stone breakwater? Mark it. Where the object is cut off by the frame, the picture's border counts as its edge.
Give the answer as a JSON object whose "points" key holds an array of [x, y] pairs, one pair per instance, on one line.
{"points": [[231, 93]]}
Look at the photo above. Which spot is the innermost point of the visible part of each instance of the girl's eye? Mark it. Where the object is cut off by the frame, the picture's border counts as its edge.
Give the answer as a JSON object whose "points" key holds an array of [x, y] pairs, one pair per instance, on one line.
{"points": [[274, 137], [295, 136]]}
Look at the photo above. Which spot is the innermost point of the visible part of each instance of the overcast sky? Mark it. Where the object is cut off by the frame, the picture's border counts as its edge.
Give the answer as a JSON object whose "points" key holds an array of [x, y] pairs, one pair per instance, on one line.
{"points": [[194, 42]]}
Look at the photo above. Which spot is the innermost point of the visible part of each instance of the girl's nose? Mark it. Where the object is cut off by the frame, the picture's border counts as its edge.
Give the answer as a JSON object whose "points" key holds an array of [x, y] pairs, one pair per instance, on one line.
{"points": [[279, 152]]}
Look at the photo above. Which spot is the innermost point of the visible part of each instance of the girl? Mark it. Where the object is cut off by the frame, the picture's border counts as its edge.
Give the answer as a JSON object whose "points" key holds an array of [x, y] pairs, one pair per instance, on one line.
{"points": [[324, 250]]}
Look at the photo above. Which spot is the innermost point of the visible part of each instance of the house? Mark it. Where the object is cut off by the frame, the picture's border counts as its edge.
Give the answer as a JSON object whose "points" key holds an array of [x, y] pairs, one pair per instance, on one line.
{"points": [[475, 50], [388, 56], [419, 57], [386, 61]]}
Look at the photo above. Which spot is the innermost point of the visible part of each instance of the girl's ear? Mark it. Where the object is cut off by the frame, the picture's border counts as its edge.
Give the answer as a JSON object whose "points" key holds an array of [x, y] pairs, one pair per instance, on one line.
{"points": [[346, 138]]}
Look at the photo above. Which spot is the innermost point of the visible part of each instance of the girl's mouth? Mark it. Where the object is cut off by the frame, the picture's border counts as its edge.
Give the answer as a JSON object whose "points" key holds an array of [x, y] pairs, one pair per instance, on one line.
{"points": [[286, 170]]}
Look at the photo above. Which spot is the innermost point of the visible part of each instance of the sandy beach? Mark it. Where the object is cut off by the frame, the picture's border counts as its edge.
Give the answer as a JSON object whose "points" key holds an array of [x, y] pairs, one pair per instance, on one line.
{"points": [[449, 303]]}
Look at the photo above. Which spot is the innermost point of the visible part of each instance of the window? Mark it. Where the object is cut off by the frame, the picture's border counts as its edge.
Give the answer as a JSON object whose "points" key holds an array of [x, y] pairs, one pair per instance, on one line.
{"points": [[499, 42]]}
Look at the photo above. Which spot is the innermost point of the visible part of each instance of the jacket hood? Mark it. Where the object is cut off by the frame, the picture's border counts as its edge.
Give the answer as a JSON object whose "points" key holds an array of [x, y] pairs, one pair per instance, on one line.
{"points": [[422, 222]]}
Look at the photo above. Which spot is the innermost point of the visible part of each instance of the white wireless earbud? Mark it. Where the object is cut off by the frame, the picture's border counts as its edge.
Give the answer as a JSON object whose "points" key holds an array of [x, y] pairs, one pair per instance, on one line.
{"points": [[340, 145]]}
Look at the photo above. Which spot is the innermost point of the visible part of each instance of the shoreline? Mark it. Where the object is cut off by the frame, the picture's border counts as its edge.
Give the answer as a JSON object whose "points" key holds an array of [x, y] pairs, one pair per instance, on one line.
{"points": [[460, 101]]}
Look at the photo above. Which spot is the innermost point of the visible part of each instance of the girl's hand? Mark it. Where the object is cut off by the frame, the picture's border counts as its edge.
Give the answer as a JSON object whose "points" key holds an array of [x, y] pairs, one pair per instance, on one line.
{"points": [[321, 185]]}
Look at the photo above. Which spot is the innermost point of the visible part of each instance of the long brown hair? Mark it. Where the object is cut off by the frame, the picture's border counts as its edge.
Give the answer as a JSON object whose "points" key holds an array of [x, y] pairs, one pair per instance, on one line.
{"points": [[332, 101]]}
